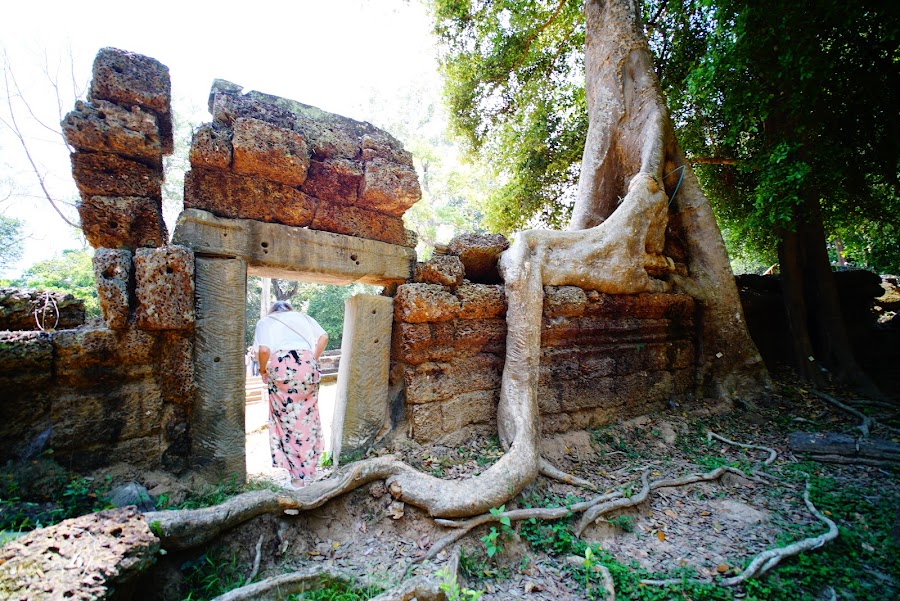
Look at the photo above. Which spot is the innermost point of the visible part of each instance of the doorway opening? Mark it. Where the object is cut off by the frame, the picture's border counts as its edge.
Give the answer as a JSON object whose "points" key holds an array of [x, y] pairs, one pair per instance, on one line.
{"points": [[325, 304]]}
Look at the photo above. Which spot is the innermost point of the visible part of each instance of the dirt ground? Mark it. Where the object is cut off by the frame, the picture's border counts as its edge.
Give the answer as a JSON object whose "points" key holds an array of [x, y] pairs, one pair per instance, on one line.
{"points": [[708, 529]]}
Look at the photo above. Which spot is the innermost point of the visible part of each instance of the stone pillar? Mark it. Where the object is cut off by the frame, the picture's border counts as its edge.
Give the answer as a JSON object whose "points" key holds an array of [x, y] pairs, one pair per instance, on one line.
{"points": [[361, 401], [218, 440]]}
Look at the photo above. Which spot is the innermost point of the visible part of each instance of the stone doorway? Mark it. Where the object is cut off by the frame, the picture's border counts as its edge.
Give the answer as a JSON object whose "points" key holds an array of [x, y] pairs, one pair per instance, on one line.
{"points": [[226, 251], [326, 304]]}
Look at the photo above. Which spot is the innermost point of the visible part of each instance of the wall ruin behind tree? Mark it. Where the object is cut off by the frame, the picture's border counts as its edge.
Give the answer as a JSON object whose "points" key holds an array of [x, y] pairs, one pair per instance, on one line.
{"points": [[283, 189]]}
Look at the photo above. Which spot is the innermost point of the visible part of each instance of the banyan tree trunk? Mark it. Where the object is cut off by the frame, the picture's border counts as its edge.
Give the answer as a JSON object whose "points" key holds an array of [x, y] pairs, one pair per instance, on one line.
{"points": [[630, 133]]}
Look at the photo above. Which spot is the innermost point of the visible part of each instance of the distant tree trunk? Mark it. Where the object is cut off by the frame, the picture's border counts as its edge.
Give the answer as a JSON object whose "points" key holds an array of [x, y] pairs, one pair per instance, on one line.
{"points": [[818, 333], [630, 133], [284, 290], [792, 258]]}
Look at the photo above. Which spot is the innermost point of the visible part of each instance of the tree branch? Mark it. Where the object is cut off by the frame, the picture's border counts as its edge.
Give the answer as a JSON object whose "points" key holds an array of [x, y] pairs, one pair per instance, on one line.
{"points": [[13, 126]]}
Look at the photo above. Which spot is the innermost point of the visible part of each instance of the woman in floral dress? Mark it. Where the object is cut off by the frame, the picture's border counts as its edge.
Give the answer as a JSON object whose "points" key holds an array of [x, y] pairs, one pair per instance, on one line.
{"points": [[289, 344]]}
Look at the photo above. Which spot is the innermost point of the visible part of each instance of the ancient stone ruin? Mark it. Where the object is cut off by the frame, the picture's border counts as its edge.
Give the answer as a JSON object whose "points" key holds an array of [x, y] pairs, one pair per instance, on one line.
{"points": [[282, 189]]}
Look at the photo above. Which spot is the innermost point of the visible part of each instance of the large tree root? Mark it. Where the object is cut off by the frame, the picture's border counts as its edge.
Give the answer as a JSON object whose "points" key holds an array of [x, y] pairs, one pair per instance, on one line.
{"points": [[187, 528], [598, 510], [773, 454], [866, 422], [605, 502], [552, 472], [767, 560], [289, 584]]}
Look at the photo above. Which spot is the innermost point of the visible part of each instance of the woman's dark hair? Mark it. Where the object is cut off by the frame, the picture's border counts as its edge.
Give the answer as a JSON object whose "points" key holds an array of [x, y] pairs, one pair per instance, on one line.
{"points": [[280, 307]]}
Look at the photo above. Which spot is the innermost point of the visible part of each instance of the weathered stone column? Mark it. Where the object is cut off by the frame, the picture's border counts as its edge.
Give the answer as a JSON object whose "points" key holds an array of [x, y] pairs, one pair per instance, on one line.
{"points": [[361, 401], [218, 440]]}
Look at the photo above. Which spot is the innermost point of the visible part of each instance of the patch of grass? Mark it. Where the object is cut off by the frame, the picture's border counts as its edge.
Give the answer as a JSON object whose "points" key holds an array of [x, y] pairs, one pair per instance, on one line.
{"points": [[338, 591], [215, 495], [61, 497], [213, 574]]}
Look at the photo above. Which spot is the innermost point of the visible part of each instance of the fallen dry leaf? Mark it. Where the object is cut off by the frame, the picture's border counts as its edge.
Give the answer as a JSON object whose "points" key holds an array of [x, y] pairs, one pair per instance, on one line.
{"points": [[722, 568], [670, 513], [661, 535]]}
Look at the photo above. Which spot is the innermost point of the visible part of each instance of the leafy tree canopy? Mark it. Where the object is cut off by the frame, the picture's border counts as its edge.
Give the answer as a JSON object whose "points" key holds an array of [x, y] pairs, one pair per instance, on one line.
{"points": [[771, 101], [10, 241], [802, 98]]}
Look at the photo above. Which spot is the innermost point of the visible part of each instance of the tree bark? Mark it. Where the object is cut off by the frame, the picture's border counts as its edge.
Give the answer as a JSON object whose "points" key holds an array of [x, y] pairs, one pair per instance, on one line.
{"points": [[630, 132], [830, 333], [791, 257], [818, 335]]}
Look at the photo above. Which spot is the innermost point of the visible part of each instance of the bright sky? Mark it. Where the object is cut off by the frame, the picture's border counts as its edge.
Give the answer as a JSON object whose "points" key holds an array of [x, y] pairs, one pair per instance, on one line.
{"points": [[334, 54]]}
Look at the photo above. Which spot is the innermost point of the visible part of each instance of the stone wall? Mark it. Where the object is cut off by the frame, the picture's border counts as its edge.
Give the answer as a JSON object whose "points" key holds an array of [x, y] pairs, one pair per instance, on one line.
{"points": [[120, 389], [34, 310], [96, 396], [277, 160], [603, 357], [120, 137]]}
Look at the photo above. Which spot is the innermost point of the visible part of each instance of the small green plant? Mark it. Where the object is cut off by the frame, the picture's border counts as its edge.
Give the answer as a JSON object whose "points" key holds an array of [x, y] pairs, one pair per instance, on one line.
{"points": [[326, 460], [623, 522], [156, 528], [493, 539], [213, 574], [450, 586], [588, 569]]}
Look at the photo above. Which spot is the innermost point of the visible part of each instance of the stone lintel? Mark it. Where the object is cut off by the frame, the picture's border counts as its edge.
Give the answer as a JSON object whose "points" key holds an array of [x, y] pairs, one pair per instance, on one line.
{"points": [[281, 251]]}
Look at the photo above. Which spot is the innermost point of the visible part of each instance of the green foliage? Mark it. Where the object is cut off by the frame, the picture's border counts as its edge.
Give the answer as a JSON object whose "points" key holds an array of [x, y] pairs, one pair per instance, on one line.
{"points": [[800, 99], [624, 522], [338, 591], [10, 241], [514, 86], [72, 272], [493, 540], [40, 493], [450, 586], [551, 536], [803, 105], [326, 306], [213, 574]]}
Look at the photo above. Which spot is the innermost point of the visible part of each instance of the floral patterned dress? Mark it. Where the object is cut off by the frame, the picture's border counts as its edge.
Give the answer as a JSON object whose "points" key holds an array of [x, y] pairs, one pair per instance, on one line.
{"points": [[294, 427]]}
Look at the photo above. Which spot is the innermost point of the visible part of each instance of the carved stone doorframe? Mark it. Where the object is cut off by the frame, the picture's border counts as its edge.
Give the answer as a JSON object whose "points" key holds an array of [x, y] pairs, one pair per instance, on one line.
{"points": [[226, 251]]}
